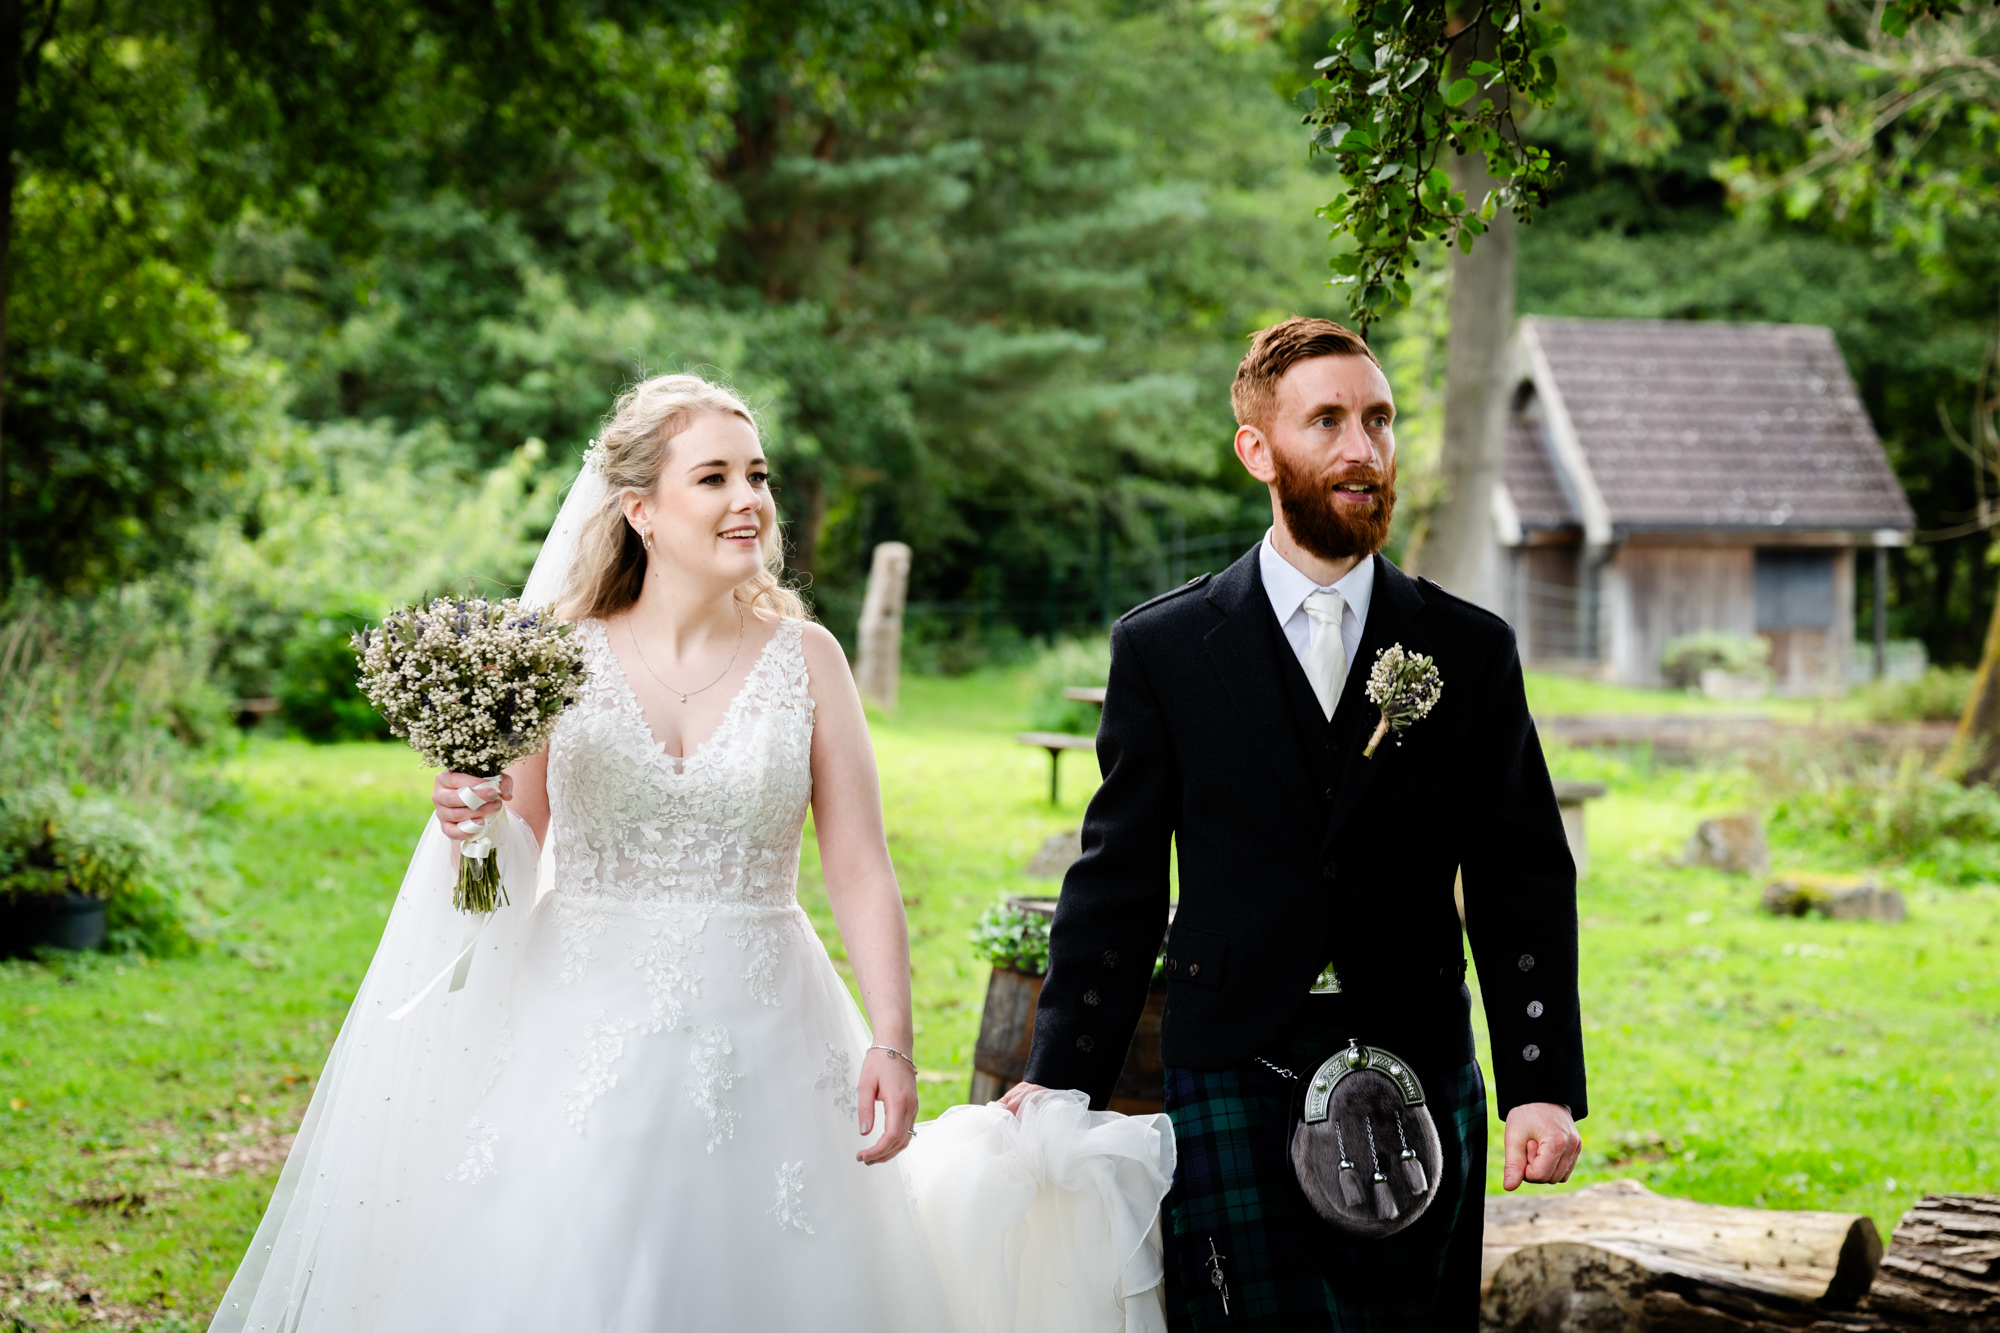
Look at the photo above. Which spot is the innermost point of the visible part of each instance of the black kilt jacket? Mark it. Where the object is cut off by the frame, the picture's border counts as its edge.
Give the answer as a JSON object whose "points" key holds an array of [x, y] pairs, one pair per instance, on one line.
{"points": [[1296, 851]]}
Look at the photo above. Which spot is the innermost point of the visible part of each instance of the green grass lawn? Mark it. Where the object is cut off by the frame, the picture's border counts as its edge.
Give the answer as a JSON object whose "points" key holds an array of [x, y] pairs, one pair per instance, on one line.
{"points": [[1733, 1057]]}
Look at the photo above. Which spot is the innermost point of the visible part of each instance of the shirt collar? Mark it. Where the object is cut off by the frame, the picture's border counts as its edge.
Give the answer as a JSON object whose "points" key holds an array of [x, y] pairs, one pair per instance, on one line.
{"points": [[1288, 586]]}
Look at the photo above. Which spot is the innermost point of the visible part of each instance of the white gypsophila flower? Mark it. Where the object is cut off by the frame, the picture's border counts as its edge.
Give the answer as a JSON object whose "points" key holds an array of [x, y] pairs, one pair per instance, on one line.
{"points": [[1405, 686], [471, 684]]}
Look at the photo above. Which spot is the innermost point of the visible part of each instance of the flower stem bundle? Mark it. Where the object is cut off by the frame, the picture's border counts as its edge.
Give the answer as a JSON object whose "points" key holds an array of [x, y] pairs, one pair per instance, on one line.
{"points": [[472, 685]]}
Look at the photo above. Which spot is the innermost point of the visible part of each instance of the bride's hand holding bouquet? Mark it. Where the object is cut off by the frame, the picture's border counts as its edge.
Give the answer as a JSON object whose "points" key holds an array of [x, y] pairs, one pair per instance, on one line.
{"points": [[473, 685]]}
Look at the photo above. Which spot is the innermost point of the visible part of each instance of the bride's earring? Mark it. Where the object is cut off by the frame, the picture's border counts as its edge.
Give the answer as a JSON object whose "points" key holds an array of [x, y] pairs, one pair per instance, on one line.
{"points": [[646, 539]]}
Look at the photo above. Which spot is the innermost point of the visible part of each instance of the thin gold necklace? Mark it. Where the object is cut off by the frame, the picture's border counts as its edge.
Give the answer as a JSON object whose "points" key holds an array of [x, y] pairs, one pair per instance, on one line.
{"points": [[685, 695]]}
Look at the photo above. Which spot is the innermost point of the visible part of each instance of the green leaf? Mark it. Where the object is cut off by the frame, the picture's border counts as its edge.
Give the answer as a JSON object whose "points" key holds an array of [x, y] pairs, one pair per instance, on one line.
{"points": [[1461, 90], [1394, 169], [1416, 72], [1306, 99]]}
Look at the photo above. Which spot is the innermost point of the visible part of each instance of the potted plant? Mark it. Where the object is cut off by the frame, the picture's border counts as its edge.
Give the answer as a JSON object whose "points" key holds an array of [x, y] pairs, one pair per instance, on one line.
{"points": [[1013, 935], [65, 863]]}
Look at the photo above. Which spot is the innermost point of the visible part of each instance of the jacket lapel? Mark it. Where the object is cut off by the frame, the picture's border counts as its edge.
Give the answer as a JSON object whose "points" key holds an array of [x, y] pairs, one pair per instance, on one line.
{"points": [[1394, 613], [1243, 648]]}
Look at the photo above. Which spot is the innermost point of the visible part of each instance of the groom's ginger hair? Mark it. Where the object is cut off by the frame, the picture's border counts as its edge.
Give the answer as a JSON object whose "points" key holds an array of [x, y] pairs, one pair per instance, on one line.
{"points": [[1275, 350]]}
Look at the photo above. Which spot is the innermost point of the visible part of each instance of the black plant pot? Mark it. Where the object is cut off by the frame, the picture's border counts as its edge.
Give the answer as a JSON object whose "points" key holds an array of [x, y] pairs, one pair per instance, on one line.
{"points": [[30, 921]]}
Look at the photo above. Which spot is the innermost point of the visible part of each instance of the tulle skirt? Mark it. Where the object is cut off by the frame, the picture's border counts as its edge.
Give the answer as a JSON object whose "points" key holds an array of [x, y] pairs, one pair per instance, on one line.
{"points": [[639, 1117]]}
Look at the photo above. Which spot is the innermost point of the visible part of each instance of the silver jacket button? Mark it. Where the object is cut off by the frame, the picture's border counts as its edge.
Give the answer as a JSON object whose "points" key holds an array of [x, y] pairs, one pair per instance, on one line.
{"points": [[1534, 1008], [1526, 963], [1531, 1052]]}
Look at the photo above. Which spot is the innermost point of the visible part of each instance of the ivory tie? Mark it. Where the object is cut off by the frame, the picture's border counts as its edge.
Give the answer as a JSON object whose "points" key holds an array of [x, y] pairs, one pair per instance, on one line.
{"points": [[1326, 659]]}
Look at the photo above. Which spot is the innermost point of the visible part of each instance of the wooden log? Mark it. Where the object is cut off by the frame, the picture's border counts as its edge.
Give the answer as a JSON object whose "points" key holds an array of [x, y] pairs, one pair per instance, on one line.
{"points": [[1617, 1256], [1943, 1265]]}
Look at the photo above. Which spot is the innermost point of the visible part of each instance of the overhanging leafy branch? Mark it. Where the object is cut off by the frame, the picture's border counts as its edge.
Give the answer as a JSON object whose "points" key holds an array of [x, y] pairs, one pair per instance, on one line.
{"points": [[1381, 109]]}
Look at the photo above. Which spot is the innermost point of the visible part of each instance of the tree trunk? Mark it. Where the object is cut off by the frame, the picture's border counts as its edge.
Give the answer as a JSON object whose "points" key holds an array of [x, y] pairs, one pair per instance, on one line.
{"points": [[12, 56], [808, 520], [1458, 542], [1974, 755]]}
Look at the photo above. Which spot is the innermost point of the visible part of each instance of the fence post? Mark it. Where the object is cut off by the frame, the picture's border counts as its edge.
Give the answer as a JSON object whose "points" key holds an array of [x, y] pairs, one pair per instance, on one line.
{"points": [[879, 674]]}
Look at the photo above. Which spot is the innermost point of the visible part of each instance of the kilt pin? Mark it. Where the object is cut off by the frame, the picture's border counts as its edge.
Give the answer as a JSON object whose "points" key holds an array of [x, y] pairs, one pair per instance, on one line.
{"points": [[1297, 855]]}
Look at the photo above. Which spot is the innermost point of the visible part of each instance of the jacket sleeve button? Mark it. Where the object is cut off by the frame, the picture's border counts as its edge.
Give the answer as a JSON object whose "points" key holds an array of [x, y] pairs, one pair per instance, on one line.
{"points": [[1329, 870], [1330, 794], [1092, 998], [1110, 958], [1086, 1044], [1530, 1052], [1194, 969], [1534, 1008], [1526, 962]]}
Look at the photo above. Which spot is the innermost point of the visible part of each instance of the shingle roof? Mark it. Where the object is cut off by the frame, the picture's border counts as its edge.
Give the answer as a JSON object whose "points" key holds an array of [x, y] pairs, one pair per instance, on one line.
{"points": [[1706, 424], [1531, 480]]}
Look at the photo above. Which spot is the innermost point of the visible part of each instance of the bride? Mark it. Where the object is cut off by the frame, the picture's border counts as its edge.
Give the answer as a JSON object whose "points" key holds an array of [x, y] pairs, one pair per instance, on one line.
{"points": [[645, 1100]]}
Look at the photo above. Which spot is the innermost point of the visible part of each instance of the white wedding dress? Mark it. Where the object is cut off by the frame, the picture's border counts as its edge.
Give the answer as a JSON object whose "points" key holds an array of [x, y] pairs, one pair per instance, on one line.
{"points": [[637, 1113]]}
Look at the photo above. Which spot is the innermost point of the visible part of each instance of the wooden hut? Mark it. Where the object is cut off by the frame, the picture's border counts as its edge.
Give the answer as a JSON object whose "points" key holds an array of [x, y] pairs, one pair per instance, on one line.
{"points": [[1664, 477]]}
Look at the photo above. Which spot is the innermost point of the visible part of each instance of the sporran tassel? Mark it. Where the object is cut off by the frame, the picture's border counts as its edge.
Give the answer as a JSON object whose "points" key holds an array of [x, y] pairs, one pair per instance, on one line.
{"points": [[1413, 1170], [1351, 1195], [1385, 1201]]}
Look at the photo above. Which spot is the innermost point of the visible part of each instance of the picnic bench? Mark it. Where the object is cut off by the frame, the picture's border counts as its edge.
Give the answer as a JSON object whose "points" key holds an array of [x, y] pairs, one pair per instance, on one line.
{"points": [[1055, 742]]}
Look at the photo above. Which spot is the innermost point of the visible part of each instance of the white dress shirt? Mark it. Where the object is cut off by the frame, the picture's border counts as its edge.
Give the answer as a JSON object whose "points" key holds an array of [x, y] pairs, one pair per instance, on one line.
{"points": [[1288, 588]]}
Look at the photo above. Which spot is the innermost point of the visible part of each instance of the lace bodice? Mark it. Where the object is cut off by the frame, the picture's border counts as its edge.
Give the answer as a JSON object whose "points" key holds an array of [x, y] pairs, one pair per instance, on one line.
{"points": [[718, 827]]}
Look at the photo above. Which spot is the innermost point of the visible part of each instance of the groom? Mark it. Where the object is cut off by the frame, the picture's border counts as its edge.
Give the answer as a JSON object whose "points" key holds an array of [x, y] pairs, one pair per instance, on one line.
{"points": [[1316, 883]]}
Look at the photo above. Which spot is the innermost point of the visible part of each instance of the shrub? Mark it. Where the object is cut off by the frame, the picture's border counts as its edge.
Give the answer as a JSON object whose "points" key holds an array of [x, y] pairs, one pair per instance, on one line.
{"points": [[1066, 663], [1939, 695], [53, 842], [110, 693], [1901, 813], [1010, 936], [316, 683], [1685, 658], [346, 522]]}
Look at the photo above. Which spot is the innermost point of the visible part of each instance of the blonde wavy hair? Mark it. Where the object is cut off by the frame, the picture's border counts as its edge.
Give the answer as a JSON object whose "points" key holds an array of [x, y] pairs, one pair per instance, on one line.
{"points": [[631, 453]]}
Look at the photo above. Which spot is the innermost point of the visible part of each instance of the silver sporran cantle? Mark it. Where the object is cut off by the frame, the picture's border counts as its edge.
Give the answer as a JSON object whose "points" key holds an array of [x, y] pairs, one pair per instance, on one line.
{"points": [[1367, 1153]]}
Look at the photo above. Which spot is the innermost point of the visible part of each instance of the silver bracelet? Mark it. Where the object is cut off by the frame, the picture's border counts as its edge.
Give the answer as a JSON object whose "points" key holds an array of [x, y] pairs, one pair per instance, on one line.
{"points": [[897, 1055]]}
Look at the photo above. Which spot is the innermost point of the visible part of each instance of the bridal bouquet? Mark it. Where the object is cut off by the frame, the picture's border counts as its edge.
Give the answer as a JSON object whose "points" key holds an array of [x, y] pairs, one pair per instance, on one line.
{"points": [[472, 685]]}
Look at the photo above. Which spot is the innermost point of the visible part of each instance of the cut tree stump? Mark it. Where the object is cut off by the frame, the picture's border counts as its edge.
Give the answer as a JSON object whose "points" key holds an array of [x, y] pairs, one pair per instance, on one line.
{"points": [[1618, 1258]]}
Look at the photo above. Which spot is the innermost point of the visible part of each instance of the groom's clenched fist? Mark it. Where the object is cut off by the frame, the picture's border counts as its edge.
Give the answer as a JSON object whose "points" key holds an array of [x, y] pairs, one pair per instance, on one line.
{"points": [[1541, 1145]]}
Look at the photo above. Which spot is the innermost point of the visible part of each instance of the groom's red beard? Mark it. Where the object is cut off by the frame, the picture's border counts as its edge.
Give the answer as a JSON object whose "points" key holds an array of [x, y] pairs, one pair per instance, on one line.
{"points": [[1334, 529]]}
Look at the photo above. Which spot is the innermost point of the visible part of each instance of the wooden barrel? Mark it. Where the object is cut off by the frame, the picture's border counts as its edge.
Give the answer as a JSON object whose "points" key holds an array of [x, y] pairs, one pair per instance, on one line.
{"points": [[1007, 1030]]}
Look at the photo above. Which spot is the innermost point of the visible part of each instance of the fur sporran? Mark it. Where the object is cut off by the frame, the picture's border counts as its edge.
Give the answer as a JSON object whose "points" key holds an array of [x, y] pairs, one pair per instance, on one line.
{"points": [[1367, 1153]]}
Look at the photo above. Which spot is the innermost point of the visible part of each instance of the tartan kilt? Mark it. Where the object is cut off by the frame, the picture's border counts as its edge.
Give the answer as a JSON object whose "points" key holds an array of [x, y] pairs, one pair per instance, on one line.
{"points": [[1240, 1232]]}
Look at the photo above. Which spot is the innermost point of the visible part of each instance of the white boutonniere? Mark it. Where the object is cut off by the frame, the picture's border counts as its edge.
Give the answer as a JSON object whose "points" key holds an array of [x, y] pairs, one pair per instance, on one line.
{"points": [[1405, 686]]}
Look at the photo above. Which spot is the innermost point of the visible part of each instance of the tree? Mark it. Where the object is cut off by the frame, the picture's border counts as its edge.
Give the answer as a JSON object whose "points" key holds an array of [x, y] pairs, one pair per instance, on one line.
{"points": [[1904, 150], [320, 126]]}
